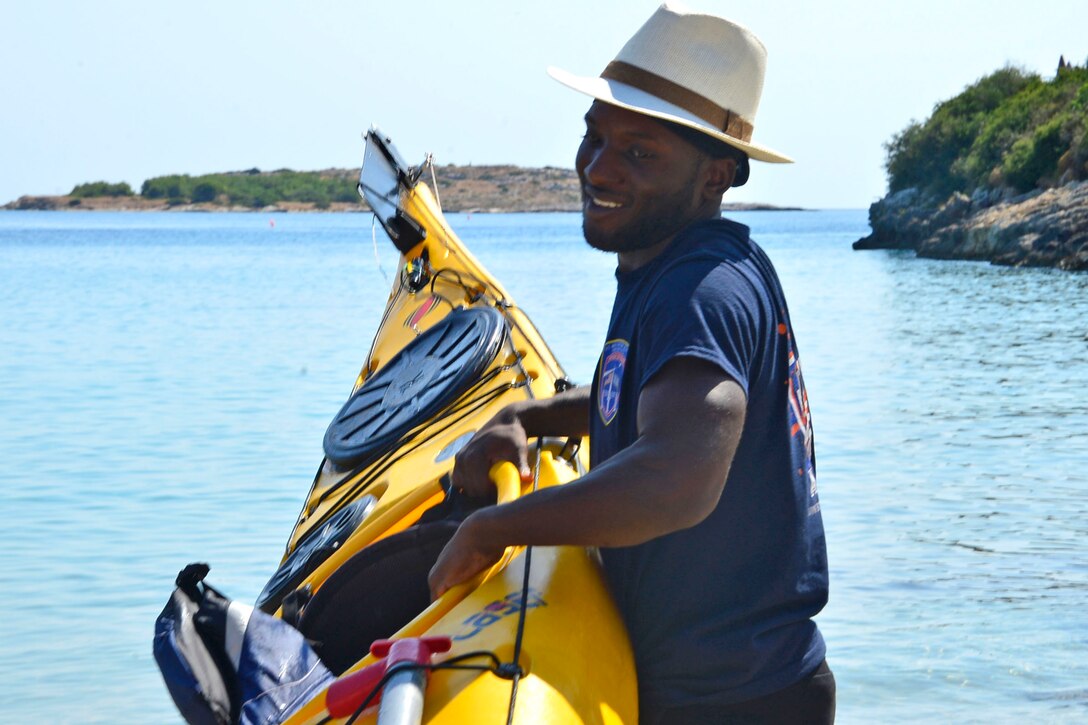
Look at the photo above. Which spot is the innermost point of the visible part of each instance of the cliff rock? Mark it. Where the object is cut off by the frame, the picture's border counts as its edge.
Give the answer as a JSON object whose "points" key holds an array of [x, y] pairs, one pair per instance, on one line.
{"points": [[1044, 228]]}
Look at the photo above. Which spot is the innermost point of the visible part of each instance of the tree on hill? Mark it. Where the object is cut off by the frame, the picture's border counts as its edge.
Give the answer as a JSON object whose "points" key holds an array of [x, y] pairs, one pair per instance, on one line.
{"points": [[1010, 129], [100, 188]]}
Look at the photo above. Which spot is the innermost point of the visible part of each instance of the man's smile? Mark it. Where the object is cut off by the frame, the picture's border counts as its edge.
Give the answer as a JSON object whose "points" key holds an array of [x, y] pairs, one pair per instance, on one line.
{"points": [[606, 204], [597, 200]]}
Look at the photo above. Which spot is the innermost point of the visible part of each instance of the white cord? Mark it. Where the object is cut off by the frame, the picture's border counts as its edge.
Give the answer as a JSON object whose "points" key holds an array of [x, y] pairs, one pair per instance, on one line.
{"points": [[434, 179], [374, 239]]}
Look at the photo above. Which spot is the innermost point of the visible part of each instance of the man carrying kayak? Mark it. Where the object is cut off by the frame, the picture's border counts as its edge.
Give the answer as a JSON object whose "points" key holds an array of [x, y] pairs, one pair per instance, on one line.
{"points": [[702, 488]]}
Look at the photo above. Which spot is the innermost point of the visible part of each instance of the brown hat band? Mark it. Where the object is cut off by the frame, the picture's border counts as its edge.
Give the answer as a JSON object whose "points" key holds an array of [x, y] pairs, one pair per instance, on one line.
{"points": [[730, 123]]}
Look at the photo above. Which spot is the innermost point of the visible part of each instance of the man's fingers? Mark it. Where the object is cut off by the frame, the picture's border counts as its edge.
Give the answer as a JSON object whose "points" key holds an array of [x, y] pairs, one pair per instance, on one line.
{"points": [[437, 586], [461, 559], [472, 465]]}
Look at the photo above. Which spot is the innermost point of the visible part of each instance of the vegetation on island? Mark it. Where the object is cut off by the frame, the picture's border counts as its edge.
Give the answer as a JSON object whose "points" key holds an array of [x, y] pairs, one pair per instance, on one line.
{"points": [[96, 189], [254, 188], [1009, 130], [462, 188], [466, 187]]}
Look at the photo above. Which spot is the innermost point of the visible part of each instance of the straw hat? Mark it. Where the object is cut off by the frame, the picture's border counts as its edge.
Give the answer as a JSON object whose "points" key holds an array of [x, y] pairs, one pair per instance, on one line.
{"points": [[698, 70]]}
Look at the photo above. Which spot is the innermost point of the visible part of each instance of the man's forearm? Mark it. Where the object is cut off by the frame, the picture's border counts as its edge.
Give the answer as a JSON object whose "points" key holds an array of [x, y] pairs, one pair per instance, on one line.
{"points": [[565, 414], [622, 502]]}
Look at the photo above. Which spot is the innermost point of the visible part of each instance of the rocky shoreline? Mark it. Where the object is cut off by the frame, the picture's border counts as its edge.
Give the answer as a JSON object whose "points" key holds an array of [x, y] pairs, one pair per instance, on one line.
{"points": [[1043, 228]]}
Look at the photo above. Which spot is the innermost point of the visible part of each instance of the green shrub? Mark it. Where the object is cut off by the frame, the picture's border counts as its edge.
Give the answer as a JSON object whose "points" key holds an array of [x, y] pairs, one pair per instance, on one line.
{"points": [[175, 187], [205, 191], [101, 188], [1033, 158]]}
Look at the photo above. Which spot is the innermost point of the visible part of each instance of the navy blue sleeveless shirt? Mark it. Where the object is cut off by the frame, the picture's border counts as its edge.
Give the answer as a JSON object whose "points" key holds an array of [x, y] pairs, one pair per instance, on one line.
{"points": [[720, 612]]}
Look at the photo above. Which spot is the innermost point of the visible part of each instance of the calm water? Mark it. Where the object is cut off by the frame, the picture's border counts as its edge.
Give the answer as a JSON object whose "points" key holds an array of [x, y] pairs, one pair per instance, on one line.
{"points": [[165, 381]]}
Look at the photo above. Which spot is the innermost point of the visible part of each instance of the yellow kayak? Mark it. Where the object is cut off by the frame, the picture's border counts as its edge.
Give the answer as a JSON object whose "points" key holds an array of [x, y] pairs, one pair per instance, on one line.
{"points": [[537, 639]]}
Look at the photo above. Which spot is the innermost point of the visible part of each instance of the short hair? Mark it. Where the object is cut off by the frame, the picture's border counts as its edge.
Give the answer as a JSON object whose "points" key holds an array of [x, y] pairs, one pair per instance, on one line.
{"points": [[712, 147]]}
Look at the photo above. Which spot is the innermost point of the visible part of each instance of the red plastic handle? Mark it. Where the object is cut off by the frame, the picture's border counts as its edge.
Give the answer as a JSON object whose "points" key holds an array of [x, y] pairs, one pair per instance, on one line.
{"points": [[411, 649], [345, 695]]}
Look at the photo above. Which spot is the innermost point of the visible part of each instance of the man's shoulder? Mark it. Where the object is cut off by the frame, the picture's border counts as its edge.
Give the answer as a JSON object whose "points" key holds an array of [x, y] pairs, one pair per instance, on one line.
{"points": [[713, 241], [719, 230], [718, 248]]}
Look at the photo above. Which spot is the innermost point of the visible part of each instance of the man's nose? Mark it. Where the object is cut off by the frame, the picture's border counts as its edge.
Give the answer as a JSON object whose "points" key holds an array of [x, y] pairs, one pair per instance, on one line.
{"points": [[600, 167]]}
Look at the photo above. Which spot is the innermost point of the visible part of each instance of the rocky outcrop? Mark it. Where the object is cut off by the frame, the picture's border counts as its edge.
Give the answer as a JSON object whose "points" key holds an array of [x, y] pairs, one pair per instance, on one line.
{"points": [[34, 203], [1045, 228]]}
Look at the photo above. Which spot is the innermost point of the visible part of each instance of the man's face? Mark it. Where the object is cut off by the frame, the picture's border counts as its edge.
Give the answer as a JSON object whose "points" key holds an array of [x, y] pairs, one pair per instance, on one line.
{"points": [[640, 183]]}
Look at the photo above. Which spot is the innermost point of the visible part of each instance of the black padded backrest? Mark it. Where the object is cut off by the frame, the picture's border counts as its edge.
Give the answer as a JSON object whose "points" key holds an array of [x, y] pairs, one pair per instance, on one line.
{"points": [[374, 594]]}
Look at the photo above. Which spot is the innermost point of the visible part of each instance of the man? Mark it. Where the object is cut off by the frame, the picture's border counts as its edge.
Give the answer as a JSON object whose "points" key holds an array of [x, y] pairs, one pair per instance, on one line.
{"points": [[701, 493]]}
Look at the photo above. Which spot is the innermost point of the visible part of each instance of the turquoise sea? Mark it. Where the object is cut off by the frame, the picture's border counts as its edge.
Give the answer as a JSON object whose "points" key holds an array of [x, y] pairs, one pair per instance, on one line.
{"points": [[166, 379]]}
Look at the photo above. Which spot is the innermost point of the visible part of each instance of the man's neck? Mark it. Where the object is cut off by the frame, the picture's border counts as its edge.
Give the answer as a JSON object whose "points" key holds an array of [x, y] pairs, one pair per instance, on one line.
{"points": [[629, 261]]}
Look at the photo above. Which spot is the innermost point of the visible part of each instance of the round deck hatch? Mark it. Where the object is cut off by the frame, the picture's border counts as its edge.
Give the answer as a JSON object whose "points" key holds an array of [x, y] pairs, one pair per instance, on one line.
{"points": [[420, 380]]}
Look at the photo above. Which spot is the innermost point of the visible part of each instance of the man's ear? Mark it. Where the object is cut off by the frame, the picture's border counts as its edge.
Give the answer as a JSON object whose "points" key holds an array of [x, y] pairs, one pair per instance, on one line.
{"points": [[719, 177]]}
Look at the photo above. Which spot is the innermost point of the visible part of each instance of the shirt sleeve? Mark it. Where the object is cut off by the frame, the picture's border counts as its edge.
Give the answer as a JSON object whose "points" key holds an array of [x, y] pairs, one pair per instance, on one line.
{"points": [[703, 309]]}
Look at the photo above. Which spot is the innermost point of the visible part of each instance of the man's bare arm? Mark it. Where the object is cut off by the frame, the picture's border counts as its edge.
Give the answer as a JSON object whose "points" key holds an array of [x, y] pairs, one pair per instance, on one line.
{"points": [[690, 420]]}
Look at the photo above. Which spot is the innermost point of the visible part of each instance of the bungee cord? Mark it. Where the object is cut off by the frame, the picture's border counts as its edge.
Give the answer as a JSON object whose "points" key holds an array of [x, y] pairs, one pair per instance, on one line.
{"points": [[523, 609], [382, 465], [497, 667]]}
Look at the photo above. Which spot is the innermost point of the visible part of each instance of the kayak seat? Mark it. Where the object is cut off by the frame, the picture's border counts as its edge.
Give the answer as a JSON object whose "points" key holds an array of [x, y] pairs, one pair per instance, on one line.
{"points": [[418, 382], [374, 594]]}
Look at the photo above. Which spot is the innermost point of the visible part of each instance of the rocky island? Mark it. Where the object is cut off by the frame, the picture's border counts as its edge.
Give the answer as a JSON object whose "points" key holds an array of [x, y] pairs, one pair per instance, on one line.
{"points": [[998, 173], [462, 188], [497, 188]]}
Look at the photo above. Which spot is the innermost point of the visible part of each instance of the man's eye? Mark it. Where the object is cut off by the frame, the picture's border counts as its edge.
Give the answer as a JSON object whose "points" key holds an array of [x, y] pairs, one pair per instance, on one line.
{"points": [[639, 153]]}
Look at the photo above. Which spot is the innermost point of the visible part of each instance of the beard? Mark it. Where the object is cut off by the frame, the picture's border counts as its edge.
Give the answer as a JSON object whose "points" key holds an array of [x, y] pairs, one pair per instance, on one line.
{"points": [[658, 220]]}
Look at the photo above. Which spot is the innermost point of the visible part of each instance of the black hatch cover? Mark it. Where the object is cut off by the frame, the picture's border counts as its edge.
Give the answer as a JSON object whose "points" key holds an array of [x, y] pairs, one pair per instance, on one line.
{"points": [[422, 379]]}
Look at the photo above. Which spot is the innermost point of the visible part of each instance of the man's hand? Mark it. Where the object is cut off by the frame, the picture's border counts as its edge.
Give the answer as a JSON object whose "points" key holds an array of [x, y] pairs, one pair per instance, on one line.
{"points": [[464, 557], [504, 438], [501, 439]]}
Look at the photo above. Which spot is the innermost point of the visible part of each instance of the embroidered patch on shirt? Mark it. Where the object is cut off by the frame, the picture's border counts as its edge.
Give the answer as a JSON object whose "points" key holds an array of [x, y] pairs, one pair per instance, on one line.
{"points": [[613, 361]]}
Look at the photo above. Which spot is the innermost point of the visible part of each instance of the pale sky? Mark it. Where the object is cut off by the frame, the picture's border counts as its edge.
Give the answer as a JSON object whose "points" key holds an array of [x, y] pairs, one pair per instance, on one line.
{"points": [[123, 91]]}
